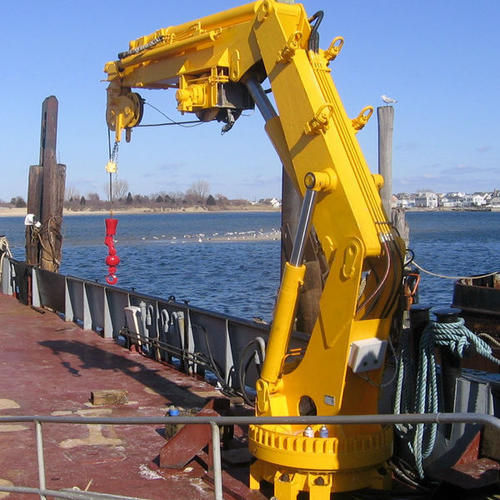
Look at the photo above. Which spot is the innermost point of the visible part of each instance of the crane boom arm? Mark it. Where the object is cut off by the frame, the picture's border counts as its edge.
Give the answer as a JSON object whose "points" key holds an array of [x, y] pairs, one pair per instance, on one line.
{"points": [[216, 65]]}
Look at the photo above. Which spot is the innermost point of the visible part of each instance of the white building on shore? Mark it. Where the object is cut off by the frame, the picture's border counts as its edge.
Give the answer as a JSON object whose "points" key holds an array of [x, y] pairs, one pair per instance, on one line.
{"points": [[426, 199]]}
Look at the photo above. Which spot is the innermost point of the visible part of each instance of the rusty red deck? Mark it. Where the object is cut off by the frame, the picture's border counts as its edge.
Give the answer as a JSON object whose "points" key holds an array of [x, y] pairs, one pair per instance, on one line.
{"points": [[50, 367]]}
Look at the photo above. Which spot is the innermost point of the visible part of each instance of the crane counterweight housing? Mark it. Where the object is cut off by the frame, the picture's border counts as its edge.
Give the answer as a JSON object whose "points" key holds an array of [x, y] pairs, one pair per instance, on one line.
{"points": [[216, 65]]}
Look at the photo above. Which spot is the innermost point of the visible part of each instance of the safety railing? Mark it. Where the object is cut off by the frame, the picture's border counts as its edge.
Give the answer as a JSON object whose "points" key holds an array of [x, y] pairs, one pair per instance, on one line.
{"points": [[215, 424]]}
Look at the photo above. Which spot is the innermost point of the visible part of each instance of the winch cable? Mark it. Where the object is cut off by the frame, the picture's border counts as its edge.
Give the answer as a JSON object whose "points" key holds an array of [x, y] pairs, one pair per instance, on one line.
{"points": [[423, 396], [171, 121], [112, 260], [113, 157]]}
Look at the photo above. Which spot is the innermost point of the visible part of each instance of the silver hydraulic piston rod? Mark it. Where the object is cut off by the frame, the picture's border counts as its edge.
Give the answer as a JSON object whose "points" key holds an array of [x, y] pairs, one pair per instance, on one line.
{"points": [[303, 227], [261, 100]]}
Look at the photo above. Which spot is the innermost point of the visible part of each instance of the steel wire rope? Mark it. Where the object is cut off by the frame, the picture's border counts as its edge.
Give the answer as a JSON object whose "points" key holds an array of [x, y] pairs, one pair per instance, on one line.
{"points": [[418, 266], [113, 157], [199, 122], [190, 123]]}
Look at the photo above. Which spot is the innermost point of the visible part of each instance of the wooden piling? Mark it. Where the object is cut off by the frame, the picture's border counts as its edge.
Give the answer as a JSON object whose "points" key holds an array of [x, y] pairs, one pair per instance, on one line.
{"points": [[54, 177], [397, 216], [46, 196], [34, 206], [385, 115]]}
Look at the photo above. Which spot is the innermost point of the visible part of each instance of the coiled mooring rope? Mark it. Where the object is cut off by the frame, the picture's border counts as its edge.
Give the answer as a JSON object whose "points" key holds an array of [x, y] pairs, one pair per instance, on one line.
{"points": [[423, 396]]}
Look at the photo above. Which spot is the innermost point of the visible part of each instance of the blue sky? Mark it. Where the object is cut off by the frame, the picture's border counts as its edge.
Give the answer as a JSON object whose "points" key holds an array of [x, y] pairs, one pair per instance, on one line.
{"points": [[438, 58]]}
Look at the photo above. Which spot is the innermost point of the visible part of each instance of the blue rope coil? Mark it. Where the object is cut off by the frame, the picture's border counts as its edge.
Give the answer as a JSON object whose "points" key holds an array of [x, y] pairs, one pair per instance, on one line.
{"points": [[421, 395]]}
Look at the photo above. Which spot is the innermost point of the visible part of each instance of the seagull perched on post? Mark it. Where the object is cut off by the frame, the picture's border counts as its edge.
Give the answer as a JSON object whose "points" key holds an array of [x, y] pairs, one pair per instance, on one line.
{"points": [[387, 99]]}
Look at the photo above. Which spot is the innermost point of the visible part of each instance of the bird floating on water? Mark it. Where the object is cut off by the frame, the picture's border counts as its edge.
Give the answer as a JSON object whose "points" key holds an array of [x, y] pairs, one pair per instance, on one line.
{"points": [[388, 100]]}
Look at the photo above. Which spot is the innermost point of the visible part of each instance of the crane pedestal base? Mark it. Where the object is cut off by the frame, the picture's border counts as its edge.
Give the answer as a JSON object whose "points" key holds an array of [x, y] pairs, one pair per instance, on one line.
{"points": [[288, 483]]}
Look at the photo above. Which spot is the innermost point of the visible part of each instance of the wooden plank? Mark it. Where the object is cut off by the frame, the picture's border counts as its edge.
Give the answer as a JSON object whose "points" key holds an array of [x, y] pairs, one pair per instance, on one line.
{"points": [[490, 445], [109, 397]]}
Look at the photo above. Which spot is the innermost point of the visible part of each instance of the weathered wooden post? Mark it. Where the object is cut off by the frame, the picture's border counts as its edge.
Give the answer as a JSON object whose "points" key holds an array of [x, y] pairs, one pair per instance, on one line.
{"points": [[46, 196], [34, 207], [385, 115]]}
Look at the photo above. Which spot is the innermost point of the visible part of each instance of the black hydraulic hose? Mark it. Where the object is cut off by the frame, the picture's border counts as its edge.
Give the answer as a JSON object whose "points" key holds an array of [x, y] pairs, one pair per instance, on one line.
{"points": [[397, 282], [313, 43], [243, 368], [382, 281], [212, 365]]}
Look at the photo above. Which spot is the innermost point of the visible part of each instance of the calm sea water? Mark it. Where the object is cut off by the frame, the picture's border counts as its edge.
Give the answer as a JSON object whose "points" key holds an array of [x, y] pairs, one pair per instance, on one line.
{"points": [[221, 262]]}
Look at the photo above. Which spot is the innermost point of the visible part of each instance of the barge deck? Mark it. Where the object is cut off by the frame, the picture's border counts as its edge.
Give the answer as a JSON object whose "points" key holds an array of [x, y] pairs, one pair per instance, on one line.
{"points": [[51, 367]]}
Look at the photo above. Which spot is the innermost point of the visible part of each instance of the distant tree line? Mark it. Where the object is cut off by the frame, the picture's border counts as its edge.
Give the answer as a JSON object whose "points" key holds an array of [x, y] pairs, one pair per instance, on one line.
{"points": [[197, 195]]}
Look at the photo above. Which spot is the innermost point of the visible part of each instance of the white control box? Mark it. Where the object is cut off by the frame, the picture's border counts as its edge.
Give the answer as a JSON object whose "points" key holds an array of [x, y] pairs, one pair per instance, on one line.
{"points": [[367, 354]]}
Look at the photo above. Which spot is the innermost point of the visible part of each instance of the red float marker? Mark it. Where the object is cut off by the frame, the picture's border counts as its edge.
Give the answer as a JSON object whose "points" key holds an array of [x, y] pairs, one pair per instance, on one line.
{"points": [[112, 260]]}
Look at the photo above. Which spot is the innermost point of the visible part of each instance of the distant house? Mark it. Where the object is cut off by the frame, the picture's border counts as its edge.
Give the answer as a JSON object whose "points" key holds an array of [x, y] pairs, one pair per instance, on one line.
{"points": [[275, 203], [495, 203], [426, 199], [401, 203], [454, 199], [405, 200], [474, 200], [446, 202]]}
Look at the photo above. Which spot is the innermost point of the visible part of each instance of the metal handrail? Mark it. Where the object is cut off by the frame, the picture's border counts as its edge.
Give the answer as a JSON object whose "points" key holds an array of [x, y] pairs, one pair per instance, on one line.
{"points": [[215, 422], [406, 418], [69, 494]]}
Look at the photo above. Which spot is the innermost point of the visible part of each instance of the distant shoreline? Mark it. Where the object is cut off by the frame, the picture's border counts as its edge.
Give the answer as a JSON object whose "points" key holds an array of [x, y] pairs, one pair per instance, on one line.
{"points": [[21, 212], [452, 209]]}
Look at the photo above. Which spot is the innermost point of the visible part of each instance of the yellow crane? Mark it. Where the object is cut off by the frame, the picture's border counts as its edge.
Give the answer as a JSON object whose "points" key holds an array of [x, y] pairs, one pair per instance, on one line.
{"points": [[216, 66]]}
